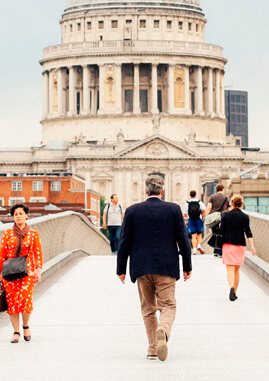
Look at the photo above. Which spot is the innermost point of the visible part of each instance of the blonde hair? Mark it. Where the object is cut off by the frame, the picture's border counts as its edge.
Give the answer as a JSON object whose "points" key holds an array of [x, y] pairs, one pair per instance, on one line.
{"points": [[237, 201]]}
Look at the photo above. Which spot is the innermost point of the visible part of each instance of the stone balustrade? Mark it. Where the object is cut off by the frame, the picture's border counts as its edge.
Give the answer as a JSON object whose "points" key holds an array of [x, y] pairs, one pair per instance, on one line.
{"points": [[67, 231], [134, 46]]}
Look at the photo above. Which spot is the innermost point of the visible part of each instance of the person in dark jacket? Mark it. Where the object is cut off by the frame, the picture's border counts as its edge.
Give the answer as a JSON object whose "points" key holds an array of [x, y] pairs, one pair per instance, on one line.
{"points": [[152, 232], [234, 227]]}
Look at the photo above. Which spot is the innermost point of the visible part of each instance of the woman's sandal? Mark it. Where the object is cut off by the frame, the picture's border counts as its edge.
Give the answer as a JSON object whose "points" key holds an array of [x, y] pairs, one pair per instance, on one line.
{"points": [[27, 338], [15, 341]]}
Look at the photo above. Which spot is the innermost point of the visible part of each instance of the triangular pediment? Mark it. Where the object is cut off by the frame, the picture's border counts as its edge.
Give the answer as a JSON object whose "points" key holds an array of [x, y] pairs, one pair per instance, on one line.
{"points": [[101, 175], [156, 147], [210, 176]]}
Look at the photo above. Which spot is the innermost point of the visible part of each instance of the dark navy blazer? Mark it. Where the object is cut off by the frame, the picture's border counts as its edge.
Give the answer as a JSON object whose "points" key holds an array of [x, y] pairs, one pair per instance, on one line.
{"points": [[150, 233], [234, 226]]}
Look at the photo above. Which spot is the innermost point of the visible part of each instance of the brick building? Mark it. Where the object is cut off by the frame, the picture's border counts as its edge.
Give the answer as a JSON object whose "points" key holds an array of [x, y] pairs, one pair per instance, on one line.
{"points": [[62, 190]]}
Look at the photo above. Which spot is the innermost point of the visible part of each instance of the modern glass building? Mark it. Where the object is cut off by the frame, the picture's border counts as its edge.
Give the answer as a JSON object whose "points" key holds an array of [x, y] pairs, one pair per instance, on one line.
{"points": [[236, 110]]}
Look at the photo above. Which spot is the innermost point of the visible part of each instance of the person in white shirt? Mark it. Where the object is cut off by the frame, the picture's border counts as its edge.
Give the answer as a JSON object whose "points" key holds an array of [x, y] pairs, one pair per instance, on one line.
{"points": [[112, 220], [194, 210]]}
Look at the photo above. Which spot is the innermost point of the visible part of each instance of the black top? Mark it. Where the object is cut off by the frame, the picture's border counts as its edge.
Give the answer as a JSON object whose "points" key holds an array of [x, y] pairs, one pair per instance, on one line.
{"points": [[150, 233], [234, 226]]}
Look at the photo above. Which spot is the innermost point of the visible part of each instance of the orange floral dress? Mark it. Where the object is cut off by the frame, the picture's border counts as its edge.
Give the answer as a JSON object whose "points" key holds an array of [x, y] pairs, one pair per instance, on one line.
{"points": [[19, 292]]}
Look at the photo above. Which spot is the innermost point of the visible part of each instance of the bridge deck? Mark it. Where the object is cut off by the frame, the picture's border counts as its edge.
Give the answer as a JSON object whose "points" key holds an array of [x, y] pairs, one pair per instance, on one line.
{"points": [[86, 325]]}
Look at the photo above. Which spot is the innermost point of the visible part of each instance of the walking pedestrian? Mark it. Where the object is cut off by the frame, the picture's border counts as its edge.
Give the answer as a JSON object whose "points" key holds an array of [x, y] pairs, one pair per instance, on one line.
{"points": [[217, 202], [21, 241], [152, 232], [234, 226], [112, 220], [194, 210]]}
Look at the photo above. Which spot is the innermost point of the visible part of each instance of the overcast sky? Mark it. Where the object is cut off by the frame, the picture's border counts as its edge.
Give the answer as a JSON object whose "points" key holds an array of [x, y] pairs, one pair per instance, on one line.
{"points": [[26, 27]]}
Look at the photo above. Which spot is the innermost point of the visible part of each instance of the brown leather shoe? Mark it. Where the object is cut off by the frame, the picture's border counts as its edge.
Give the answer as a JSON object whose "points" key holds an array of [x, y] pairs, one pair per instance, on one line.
{"points": [[162, 349]]}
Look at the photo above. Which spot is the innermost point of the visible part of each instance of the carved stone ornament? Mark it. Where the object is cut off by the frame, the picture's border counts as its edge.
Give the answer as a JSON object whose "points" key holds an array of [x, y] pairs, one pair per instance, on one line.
{"points": [[157, 149]]}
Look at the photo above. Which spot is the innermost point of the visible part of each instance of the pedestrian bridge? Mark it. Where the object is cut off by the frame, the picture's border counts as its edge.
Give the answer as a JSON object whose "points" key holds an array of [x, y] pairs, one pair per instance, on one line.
{"points": [[87, 325]]}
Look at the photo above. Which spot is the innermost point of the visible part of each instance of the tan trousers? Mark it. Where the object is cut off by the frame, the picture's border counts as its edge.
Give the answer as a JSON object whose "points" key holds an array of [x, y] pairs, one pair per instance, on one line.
{"points": [[157, 292]]}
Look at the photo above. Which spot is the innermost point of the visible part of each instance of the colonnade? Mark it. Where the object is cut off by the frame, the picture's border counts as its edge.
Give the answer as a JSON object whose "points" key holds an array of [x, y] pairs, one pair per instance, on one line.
{"points": [[81, 90]]}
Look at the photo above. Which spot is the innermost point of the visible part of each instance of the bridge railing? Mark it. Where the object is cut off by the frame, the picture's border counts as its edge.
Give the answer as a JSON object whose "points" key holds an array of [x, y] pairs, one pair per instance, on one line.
{"points": [[64, 232]]}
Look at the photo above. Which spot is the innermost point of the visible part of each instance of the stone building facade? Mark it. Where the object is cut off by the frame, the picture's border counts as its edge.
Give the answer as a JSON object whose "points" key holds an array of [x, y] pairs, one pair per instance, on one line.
{"points": [[134, 89]]}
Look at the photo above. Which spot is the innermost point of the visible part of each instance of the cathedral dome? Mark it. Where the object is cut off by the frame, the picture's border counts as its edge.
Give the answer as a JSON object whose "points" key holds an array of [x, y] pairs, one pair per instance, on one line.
{"points": [[72, 5]]}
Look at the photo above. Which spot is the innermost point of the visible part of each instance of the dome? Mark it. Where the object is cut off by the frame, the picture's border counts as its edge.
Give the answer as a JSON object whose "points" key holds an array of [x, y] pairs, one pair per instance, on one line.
{"points": [[77, 3]]}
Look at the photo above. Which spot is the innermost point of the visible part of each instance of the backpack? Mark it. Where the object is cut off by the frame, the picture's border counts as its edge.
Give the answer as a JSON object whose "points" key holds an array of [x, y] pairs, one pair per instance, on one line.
{"points": [[194, 210]]}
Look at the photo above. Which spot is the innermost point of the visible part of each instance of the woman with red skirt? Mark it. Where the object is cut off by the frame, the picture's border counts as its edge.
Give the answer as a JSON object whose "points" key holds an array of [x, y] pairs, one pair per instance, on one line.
{"points": [[21, 241], [234, 227]]}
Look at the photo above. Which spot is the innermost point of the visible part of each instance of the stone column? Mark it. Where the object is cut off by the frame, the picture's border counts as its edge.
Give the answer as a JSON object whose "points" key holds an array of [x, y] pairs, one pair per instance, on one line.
{"points": [[154, 89], [210, 92], [217, 92], [222, 95], [136, 90], [171, 92], [50, 92], [199, 109], [86, 92], [60, 92], [118, 90], [187, 90], [45, 94], [72, 107], [101, 89]]}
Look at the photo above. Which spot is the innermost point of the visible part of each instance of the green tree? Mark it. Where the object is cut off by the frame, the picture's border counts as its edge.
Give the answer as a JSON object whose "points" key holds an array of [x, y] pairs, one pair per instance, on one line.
{"points": [[102, 207]]}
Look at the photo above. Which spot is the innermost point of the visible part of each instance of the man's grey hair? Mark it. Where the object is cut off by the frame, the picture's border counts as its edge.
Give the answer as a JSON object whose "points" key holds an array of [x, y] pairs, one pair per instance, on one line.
{"points": [[154, 185]]}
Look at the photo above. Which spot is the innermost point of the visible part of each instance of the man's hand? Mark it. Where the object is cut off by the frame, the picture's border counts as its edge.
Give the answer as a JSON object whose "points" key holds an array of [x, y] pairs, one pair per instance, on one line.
{"points": [[104, 226], [187, 275], [122, 278]]}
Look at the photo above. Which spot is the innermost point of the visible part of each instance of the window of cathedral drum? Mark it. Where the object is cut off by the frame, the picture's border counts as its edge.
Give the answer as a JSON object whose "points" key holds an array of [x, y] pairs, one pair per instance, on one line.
{"points": [[143, 100], [114, 24], [169, 24], [197, 28], [180, 25], [89, 25], [128, 106], [101, 24], [71, 28], [128, 22], [78, 103], [190, 26], [79, 26], [142, 23], [156, 23]]}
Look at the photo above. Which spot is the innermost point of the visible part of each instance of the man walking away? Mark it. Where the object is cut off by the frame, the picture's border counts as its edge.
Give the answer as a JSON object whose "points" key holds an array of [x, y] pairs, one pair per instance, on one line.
{"points": [[194, 209], [152, 232], [112, 220]]}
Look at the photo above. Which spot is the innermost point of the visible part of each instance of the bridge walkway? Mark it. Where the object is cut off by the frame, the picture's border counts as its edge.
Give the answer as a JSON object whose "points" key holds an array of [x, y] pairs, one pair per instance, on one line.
{"points": [[86, 325]]}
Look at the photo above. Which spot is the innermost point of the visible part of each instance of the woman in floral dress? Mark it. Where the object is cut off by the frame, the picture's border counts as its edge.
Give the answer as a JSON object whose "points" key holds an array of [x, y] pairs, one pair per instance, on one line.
{"points": [[20, 241]]}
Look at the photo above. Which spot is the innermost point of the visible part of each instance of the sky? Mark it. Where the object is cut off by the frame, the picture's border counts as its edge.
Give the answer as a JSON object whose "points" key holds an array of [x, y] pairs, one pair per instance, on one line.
{"points": [[28, 26]]}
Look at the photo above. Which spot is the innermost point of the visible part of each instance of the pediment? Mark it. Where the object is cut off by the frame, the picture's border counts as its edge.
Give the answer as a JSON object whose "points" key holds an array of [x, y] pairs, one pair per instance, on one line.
{"points": [[210, 176], [156, 147], [101, 175]]}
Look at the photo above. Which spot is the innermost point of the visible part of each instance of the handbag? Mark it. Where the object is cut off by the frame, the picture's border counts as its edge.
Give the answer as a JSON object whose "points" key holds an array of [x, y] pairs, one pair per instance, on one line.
{"points": [[15, 268], [3, 299], [215, 241], [214, 219]]}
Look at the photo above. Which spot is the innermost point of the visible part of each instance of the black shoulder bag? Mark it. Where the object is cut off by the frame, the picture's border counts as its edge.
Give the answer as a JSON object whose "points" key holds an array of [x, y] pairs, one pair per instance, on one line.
{"points": [[15, 268]]}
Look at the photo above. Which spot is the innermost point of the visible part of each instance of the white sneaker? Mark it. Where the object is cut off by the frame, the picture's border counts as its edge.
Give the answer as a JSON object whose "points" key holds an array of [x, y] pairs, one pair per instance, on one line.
{"points": [[201, 250]]}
